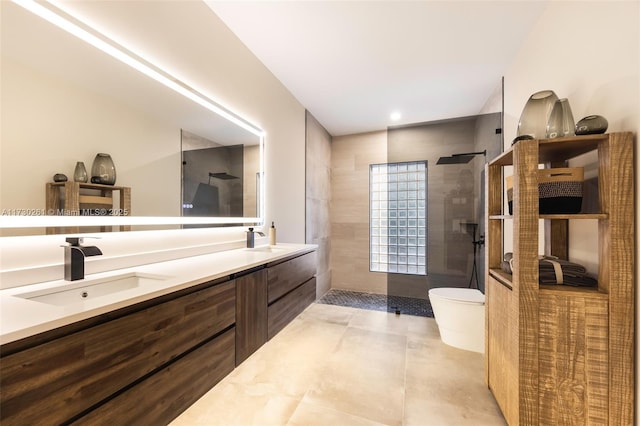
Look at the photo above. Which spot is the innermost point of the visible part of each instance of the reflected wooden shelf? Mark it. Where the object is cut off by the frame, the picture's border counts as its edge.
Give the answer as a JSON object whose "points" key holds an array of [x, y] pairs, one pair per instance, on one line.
{"points": [[86, 199]]}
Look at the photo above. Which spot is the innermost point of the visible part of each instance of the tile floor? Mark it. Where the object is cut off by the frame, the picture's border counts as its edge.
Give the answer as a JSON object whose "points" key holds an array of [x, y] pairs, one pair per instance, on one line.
{"points": [[341, 366]]}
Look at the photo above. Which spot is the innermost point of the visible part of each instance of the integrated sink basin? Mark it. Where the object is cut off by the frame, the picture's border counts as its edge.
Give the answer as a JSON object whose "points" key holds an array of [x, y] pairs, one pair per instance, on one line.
{"points": [[89, 289], [268, 249]]}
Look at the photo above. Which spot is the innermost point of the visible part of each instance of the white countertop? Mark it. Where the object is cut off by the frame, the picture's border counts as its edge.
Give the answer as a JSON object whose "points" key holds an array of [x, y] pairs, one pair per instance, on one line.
{"points": [[21, 317]]}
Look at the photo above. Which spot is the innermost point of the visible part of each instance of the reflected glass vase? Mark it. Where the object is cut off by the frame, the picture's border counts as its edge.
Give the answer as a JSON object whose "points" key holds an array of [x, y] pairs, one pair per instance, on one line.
{"points": [[534, 117], [103, 170], [80, 173], [560, 121]]}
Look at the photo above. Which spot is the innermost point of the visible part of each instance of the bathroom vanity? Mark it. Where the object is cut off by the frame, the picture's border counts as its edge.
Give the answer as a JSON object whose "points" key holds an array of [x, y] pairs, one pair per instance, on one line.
{"points": [[145, 353]]}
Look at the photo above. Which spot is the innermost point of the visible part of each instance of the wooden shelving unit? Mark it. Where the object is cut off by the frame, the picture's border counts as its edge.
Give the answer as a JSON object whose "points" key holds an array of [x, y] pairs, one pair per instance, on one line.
{"points": [[77, 199], [559, 354]]}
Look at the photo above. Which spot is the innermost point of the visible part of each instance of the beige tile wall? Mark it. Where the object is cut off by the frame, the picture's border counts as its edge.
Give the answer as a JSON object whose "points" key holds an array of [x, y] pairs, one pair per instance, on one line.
{"points": [[318, 198], [451, 195], [350, 160]]}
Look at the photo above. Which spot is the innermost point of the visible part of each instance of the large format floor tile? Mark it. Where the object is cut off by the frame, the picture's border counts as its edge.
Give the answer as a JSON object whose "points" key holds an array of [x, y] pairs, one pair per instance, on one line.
{"points": [[336, 365]]}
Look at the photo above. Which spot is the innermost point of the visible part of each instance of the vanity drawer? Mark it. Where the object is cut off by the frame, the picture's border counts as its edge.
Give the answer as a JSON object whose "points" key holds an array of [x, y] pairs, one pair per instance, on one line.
{"points": [[284, 277], [163, 396], [283, 311], [55, 381]]}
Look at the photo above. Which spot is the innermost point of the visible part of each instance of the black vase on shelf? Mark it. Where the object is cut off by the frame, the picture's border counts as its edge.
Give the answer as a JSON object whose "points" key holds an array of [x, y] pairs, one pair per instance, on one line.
{"points": [[103, 170], [59, 177], [592, 125]]}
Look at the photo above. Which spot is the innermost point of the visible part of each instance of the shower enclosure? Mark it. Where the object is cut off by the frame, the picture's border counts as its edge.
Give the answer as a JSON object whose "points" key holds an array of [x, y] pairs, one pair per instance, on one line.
{"points": [[454, 153]]}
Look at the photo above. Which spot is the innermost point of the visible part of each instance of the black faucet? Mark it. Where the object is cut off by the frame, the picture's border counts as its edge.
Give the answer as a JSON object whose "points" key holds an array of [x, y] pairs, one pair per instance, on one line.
{"points": [[74, 255]]}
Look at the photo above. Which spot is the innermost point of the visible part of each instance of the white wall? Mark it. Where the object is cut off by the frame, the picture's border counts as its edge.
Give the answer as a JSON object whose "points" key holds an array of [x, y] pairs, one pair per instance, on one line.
{"points": [[213, 60], [586, 52], [589, 53]]}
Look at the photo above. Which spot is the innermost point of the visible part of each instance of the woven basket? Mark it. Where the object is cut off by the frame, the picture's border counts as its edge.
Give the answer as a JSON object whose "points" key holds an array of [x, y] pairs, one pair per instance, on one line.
{"points": [[559, 190]]}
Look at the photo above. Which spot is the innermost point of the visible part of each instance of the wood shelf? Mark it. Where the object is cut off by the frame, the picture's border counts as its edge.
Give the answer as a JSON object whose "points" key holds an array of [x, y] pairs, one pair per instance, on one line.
{"points": [[78, 199], [502, 277], [596, 216], [506, 280], [557, 149], [85, 185], [533, 330], [93, 199], [571, 290]]}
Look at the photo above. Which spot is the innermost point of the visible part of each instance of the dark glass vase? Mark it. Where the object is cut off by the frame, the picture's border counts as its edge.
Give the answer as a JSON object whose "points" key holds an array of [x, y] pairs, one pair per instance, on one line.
{"points": [[561, 120], [592, 125], [80, 173], [103, 170], [534, 117]]}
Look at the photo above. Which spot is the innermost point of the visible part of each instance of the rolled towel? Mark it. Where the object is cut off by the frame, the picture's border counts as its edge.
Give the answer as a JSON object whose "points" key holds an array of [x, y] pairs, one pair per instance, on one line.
{"points": [[552, 270]]}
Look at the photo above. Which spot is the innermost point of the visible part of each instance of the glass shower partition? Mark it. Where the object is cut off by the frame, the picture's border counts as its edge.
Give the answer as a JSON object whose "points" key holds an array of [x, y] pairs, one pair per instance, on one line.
{"points": [[453, 207]]}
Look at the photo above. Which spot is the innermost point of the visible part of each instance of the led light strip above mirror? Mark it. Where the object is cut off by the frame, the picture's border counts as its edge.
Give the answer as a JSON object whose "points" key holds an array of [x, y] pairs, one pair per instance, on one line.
{"points": [[75, 221], [56, 14]]}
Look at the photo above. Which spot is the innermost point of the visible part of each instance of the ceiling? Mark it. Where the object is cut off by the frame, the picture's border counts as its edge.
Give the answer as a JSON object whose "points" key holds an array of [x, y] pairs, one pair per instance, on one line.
{"points": [[353, 63]]}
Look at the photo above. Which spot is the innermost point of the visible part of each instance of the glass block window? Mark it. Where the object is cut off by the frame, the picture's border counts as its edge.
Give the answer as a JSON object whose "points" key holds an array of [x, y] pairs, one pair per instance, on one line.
{"points": [[398, 217]]}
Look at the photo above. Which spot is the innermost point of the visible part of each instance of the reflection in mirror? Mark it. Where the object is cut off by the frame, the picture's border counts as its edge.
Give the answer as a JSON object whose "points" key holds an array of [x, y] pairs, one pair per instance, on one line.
{"points": [[218, 179], [63, 101]]}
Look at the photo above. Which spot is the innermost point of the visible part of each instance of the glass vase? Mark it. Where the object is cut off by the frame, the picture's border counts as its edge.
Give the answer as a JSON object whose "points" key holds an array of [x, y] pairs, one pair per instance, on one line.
{"points": [[560, 121], [534, 117], [103, 170], [80, 173]]}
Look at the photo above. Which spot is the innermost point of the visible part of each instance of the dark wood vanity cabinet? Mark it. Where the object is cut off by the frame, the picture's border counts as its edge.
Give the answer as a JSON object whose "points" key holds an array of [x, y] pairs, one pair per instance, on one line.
{"points": [[270, 297], [146, 363], [153, 359], [251, 312], [291, 287], [166, 394]]}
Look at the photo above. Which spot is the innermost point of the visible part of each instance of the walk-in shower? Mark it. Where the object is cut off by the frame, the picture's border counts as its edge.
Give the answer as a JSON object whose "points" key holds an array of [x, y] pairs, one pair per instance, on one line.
{"points": [[454, 200]]}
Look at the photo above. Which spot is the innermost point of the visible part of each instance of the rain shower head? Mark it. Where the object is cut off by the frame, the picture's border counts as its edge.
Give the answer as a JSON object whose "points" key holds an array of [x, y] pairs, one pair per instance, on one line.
{"points": [[463, 158], [459, 159], [223, 176]]}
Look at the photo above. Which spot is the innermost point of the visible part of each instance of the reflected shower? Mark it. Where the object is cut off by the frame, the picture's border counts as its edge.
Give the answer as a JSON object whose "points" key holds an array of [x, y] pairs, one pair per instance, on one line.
{"points": [[463, 158], [223, 176]]}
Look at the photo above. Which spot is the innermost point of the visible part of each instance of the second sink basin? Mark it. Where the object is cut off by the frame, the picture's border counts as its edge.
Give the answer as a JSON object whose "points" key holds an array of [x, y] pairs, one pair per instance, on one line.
{"points": [[89, 289], [268, 249]]}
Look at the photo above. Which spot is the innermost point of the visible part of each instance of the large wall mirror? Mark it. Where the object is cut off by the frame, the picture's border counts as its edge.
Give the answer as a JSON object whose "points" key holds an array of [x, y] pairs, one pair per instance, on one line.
{"points": [[64, 101]]}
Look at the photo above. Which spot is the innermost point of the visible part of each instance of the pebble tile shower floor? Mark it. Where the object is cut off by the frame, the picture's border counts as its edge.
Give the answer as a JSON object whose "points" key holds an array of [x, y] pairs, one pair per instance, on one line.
{"points": [[378, 302]]}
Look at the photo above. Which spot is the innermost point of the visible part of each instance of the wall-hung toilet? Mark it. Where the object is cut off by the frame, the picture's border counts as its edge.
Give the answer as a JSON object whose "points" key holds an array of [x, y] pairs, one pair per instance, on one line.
{"points": [[459, 313]]}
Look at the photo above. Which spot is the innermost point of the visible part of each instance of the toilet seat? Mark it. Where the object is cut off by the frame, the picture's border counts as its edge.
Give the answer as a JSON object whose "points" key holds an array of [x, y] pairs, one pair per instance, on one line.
{"points": [[463, 295]]}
